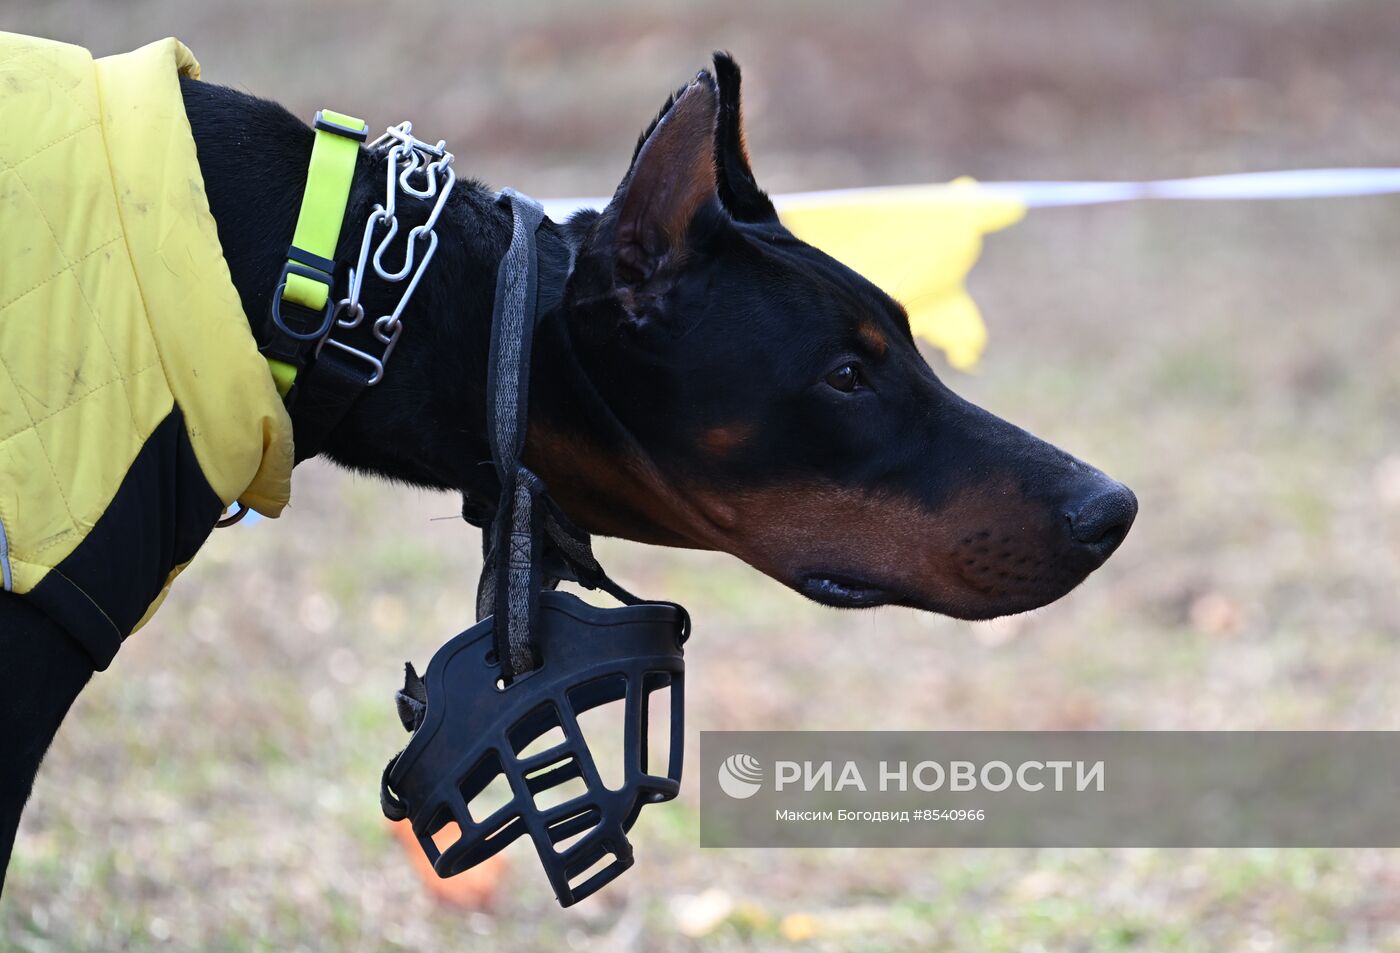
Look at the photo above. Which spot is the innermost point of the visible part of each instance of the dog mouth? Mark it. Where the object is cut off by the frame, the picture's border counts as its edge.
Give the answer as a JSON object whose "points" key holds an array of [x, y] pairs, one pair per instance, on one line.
{"points": [[844, 592]]}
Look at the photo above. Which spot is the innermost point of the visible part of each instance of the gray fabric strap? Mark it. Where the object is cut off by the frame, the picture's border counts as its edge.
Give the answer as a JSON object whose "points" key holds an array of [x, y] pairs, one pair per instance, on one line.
{"points": [[531, 543], [511, 579], [513, 316], [520, 568]]}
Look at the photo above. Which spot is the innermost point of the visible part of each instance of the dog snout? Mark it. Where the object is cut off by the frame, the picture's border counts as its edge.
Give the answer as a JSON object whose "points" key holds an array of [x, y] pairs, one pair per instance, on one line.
{"points": [[1100, 518]]}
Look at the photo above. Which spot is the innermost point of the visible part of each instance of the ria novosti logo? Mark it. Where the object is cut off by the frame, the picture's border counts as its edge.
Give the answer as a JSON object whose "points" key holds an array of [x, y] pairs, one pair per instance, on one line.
{"points": [[740, 776]]}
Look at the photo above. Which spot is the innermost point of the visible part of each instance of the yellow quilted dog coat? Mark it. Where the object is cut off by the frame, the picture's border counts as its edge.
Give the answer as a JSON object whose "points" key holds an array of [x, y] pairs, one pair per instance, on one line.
{"points": [[134, 405]]}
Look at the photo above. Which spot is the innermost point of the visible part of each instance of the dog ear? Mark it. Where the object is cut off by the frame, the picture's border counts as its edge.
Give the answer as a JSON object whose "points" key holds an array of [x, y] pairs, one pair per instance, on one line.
{"points": [[741, 195], [672, 177]]}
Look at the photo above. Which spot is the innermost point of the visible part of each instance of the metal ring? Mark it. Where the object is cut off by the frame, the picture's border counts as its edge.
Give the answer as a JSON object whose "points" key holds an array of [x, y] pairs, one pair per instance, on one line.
{"points": [[327, 317], [233, 520]]}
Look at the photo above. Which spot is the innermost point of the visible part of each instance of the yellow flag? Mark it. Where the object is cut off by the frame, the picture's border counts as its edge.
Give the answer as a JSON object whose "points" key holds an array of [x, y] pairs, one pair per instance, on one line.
{"points": [[918, 243]]}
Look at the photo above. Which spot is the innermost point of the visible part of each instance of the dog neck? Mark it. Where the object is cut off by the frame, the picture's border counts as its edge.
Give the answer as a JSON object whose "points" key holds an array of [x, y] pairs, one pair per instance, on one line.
{"points": [[425, 423]]}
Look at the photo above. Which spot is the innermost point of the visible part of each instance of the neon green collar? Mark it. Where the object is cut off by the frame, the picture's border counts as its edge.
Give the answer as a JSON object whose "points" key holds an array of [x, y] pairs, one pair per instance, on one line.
{"points": [[309, 274]]}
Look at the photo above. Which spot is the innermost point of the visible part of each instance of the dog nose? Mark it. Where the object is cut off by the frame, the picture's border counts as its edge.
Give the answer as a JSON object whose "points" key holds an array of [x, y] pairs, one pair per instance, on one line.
{"points": [[1103, 517]]}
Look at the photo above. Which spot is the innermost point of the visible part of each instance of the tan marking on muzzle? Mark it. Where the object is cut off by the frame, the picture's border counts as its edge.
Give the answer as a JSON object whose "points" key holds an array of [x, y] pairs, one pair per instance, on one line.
{"points": [[987, 544], [722, 440]]}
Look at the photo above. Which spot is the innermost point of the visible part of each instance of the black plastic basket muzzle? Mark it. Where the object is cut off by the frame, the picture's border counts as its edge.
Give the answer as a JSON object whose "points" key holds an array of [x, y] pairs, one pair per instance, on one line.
{"points": [[474, 730], [535, 661]]}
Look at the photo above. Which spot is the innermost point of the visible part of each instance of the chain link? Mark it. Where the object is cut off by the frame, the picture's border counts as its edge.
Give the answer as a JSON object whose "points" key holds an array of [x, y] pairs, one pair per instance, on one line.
{"points": [[408, 160]]}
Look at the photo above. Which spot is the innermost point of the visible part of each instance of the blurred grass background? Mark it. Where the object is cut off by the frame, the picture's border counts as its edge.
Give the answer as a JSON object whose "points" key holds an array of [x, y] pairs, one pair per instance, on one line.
{"points": [[1234, 363]]}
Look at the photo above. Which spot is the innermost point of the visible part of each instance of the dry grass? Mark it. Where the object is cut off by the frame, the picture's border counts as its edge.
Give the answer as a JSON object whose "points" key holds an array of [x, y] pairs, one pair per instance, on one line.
{"points": [[1235, 364]]}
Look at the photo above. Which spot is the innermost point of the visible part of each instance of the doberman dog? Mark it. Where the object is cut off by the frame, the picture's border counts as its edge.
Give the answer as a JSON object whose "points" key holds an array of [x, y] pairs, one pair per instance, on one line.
{"points": [[700, 379]]}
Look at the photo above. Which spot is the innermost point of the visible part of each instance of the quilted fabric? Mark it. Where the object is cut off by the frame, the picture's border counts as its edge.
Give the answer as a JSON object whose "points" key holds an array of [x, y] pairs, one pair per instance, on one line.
{"points": [[116, 306]]}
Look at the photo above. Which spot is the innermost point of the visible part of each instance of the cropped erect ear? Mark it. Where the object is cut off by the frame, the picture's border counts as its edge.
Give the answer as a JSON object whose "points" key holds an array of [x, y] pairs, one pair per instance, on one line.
{"points": [[672, 178], [745, 201]]}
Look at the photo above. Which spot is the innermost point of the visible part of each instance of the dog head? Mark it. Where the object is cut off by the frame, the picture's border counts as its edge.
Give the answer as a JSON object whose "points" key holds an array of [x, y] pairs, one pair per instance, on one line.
{"points": [[758, 397]]}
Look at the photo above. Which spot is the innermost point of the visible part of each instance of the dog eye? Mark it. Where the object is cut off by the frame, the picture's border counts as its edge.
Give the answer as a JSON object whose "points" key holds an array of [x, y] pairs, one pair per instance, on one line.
{"points": [[845, 378]]}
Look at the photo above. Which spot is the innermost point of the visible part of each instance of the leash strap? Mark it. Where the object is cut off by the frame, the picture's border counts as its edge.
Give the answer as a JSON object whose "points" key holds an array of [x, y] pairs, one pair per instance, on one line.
{"points": [[303, 308]]}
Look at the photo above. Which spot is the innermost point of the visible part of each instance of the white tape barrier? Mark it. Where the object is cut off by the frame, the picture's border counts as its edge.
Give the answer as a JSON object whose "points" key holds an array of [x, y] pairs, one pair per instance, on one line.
{"points": [[1298, 184], [1294, 184]]}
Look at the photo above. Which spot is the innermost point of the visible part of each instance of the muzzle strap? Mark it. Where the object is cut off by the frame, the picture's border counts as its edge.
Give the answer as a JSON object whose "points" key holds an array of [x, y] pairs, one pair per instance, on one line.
{"points": [[512, 332], [516, 556], [566, 554]]}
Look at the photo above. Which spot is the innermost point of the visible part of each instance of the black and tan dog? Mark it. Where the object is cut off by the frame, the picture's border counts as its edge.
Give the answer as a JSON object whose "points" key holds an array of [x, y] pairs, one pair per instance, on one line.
{"points": [[702, 379]]}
